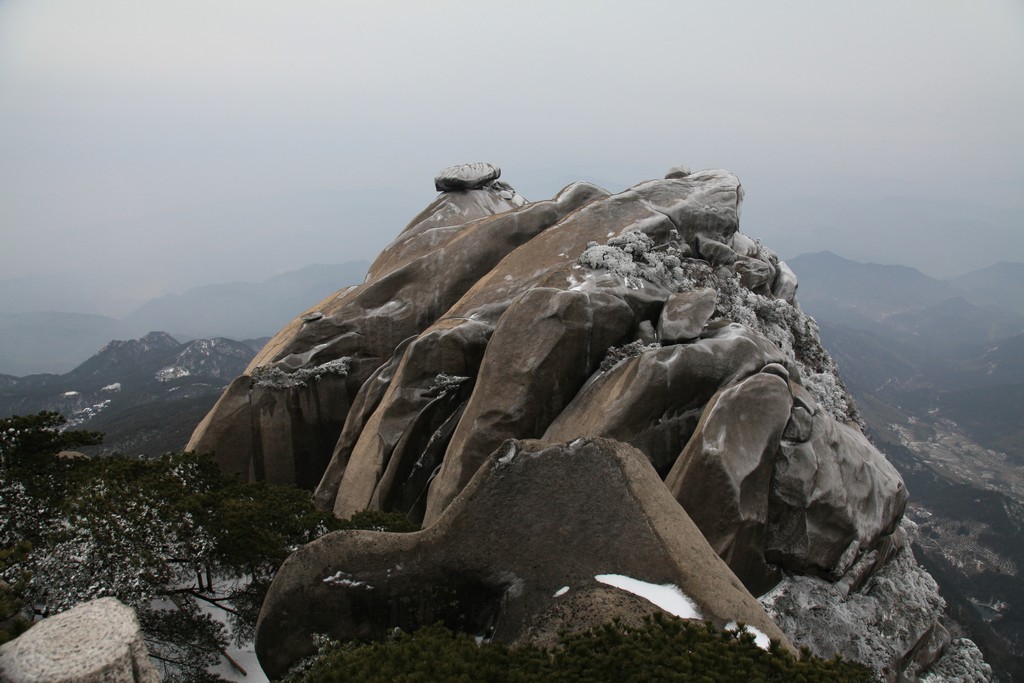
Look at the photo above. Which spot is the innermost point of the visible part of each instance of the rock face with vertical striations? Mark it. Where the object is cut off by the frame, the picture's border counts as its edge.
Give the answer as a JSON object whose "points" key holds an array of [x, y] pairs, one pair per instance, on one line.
{"points": [[645, 318]]}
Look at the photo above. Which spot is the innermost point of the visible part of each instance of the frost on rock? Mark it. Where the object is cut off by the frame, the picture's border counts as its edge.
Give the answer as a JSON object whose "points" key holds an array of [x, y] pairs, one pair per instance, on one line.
{"points": [[508, 457], [444, 384], [796, 334], [876, 625], [340, 578], [617, 354], [634, 257], [272, 377], [962, 661]]}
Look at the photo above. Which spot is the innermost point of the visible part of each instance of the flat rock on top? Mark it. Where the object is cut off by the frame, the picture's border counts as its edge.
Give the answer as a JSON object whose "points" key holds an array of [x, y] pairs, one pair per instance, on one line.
{"points": [[465, 176]]}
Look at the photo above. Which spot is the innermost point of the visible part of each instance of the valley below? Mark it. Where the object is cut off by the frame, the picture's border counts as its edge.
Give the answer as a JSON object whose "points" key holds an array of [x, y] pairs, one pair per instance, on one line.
{"points": [[937, 375]]}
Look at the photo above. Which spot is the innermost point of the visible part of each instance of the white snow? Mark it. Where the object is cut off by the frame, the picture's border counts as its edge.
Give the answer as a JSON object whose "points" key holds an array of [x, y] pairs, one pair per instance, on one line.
{"points": [[577, 285], [560, 592], [171, 372], [70, 393], [760, 638], [116, 386], [510, 455], [340, 578], [667, 596]]}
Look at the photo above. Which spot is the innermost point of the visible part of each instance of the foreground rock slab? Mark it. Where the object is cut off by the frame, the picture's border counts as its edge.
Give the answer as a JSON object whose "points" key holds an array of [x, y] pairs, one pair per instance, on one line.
{"points": [[96, 642], [514, 556]]}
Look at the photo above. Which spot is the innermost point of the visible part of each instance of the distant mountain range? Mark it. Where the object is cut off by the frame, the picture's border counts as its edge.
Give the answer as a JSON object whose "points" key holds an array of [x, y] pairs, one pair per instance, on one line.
{"points": [[937, 369], [146, 394], [56, 342], [944, 237]]}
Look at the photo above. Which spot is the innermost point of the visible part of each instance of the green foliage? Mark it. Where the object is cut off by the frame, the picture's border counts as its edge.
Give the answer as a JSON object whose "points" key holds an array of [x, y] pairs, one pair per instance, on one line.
{"points": [[12, 623], [33, 440], [375, 520], [162, 535], [663, 649]]}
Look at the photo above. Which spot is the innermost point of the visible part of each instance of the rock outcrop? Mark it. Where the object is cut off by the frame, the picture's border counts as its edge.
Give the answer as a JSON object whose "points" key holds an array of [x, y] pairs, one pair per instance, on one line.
{"points": [[95, 642], [645, 317], [514, 558], [891, 623]]}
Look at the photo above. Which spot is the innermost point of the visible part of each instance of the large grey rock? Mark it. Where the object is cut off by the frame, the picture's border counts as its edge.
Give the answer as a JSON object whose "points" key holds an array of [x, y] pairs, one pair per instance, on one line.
{"points": [[685, 314], [413, 402], [487, 319], [544, 348], [470, 253], [431, 264], [827, 493], [653, 401], [548, 260], [95, 642], [892, 618], [785, 284], [537, 517], [730, 457]]}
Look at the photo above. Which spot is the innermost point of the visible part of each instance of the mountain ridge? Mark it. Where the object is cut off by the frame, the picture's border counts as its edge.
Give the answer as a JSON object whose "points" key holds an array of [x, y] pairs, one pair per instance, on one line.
{"points": [[645, 317], [145, 394], [56, 342]]}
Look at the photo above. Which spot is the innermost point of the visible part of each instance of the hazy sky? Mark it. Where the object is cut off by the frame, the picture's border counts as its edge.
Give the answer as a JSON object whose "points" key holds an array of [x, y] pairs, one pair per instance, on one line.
{"points": [[183, 142]]}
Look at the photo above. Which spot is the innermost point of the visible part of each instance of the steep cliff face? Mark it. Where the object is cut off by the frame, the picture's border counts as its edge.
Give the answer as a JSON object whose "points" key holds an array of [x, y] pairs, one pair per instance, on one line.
{"points": [[644, 317]]}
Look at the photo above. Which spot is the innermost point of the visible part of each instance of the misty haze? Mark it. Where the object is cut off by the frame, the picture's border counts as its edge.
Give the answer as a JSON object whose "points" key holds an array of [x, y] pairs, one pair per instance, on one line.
{"points": [[665, 312]]}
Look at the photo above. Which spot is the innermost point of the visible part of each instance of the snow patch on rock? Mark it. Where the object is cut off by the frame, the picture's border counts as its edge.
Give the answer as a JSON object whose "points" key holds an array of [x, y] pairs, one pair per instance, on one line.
{"points": [[761, 639], [172, 372], [340, 578], [667, 596]]}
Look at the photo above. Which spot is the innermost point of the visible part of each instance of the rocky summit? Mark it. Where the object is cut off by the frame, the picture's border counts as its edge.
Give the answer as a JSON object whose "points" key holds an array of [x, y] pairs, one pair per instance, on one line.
{"points": [[586, 386]]}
